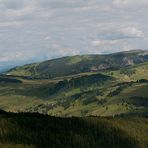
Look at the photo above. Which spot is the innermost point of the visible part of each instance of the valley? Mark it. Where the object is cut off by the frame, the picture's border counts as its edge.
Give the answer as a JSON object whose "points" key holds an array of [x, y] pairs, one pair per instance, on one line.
{"points": [[98, 93]]}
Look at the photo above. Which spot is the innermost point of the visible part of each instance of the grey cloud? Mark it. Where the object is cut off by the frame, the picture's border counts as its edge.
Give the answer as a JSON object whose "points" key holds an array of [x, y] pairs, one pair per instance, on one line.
{"points": [[9, 4], [36, 30]]}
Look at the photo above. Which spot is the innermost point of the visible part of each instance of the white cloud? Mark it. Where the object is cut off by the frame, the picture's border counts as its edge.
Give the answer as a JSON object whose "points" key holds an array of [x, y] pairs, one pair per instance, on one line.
{"points": [[130, 2], [47, 38], [16, 8], [11, 23], [120, 2], [104, 42], [8, 56], [132, 32]]}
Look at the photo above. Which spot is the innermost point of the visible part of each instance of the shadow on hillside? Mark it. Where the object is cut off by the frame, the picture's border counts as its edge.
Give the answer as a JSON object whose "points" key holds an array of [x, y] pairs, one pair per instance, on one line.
{"points": [[54, 132]]}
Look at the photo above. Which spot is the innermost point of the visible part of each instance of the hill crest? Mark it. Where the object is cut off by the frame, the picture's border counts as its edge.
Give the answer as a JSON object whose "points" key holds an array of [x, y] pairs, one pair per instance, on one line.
{"points": [[80, 63]]}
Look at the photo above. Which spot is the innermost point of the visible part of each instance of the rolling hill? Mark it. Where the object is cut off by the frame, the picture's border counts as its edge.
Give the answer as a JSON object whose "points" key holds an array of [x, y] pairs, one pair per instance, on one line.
{"points": [[106, 93], [80, 64]]}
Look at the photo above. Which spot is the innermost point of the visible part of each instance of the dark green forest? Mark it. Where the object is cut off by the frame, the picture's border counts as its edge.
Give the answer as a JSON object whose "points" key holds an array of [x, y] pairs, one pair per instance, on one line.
{"points": [[43, 131]]}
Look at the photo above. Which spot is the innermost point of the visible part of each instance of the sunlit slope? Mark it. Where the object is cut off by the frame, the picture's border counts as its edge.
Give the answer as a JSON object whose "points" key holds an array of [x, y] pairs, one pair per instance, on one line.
{"points": [[131, 73], [92, 93], [80, 64]]}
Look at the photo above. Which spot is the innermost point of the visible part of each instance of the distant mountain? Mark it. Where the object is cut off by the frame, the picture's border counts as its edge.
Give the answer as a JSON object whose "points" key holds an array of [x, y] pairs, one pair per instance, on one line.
{"points": [[80, 64]]}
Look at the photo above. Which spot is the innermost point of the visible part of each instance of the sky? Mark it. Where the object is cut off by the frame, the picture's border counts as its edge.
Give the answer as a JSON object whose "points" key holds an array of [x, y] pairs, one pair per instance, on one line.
{"points": [[37, 30]]}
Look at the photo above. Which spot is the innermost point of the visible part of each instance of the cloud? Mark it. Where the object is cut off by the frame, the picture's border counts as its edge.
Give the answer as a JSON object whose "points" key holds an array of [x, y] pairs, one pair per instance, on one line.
{"points": [[130, 2], [13, 55], [132, 32], [104, 42], [34, 30], [16, 9], [9, 4], [11, 23], [120, 2]]}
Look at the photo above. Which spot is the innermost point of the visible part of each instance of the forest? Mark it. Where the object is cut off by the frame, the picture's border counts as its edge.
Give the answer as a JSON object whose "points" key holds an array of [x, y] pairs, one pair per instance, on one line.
{"points": [[37, 130]]}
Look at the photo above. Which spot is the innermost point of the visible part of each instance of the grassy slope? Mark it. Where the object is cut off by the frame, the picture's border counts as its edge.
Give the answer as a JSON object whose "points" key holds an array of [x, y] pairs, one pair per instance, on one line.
{"points": [[34, 95], [141, 71], [79, 64], [33, 130]]}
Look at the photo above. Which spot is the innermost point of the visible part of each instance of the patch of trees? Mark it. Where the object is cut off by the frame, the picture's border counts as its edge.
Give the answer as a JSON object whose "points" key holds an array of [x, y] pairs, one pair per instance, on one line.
{"points": [[102, 101], [83, 94], [64, 103], [2, 112], [125, 83], [80, 82], [142, 81], [116, 92], [138, 101], [133, 114], [120, 87], [9, 80], [89, 100], [42, 108], [89, 80], [128, 72]]}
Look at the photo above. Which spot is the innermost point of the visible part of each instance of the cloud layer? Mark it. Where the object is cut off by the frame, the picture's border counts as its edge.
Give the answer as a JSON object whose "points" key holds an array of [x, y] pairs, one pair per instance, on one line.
{"points": [[35, 30]]}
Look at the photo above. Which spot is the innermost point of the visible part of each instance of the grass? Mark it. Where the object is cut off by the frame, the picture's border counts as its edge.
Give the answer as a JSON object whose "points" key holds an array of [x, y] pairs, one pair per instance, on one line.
{"points": [[141, 71], [18, 103], [30, 94], [30, 99]]}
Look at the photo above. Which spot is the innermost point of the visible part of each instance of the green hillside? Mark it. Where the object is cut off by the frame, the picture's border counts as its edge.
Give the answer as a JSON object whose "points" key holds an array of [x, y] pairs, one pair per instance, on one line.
{"points": [[37, 131], [131, 73], [80, 64], [109, 93]]}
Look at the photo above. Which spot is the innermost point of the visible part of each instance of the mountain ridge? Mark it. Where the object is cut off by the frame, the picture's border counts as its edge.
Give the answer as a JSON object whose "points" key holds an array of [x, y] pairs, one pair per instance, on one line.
{"points": [[80, 63]]}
